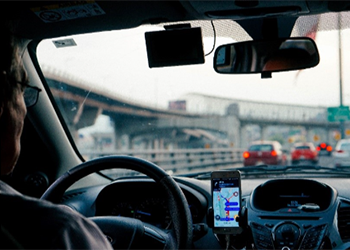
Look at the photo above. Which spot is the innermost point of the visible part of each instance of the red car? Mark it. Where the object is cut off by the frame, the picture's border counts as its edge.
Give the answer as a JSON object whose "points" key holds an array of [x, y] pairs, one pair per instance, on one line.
{"points": [[304, 152], [264, 152]]}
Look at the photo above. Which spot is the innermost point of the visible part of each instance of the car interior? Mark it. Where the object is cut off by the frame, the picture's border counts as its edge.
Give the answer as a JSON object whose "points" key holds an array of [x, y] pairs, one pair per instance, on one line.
{"points": [[100, 141]]}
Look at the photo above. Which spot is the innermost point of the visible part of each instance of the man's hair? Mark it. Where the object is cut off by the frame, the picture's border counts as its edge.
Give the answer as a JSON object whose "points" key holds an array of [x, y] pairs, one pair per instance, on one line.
{"points": [[10, 64]]}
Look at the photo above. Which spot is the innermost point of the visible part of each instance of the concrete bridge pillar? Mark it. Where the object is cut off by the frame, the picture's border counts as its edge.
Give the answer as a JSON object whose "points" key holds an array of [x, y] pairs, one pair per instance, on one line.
{"points": [[326, 136], [118, 139], [234, 125], [329, 136], [158, 144], [244, 137], [233, 131], [264, 132], [122, 138], [145, 144], [309, 134], [126, 142]]}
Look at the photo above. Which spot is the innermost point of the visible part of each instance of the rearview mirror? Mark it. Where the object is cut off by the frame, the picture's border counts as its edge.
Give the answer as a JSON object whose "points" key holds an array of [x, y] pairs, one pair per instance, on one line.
{"points": [[266, 56]]}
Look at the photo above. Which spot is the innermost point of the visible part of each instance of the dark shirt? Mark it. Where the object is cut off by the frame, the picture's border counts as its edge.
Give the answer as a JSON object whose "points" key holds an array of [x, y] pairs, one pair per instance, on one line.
{"points": [[39, 224]]}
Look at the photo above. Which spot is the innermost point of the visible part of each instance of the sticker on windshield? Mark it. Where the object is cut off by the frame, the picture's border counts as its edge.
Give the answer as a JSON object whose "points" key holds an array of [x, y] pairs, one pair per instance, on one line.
{"points": [[68, 11], [64, 43]]}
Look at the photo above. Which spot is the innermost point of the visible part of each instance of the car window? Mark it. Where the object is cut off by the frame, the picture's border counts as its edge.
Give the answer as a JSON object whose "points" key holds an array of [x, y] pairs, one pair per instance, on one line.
{"points": [[345, 146], [302, 147], [260, 148]]}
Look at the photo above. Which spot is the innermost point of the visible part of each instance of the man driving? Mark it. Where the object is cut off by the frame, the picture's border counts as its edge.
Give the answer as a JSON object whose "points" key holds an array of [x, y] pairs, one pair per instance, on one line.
{"points": [[28, 222]]}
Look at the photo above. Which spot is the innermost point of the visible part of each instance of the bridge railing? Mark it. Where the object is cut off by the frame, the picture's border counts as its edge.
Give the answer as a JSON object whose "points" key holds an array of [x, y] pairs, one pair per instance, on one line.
{"points": [[179, 160]]}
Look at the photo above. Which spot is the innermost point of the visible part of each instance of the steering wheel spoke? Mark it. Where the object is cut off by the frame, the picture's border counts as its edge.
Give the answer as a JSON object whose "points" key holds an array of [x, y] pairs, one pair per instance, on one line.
{"points": [[130, 233]]}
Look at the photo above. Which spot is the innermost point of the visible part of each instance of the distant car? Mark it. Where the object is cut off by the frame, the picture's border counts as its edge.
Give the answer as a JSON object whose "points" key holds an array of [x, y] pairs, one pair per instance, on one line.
{"points": [[304, 152], [341, 153], [264, 152], [324, 149]]}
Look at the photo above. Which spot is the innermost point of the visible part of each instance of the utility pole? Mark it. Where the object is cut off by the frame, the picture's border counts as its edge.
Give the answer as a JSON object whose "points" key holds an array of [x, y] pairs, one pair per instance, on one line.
{"points": [[342, 130]]}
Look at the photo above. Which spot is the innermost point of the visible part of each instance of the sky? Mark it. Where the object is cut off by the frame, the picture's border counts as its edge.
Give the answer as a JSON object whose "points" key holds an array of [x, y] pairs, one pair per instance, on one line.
{"points": [[124, 72]]}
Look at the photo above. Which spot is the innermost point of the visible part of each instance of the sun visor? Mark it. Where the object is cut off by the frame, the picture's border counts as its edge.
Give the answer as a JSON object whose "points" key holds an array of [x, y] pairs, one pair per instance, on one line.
{"points": [[174, 47]]}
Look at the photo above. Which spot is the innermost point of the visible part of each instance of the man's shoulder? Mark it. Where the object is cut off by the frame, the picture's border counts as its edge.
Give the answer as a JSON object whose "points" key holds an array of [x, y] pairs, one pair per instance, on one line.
{"points": [[55, 225], [16, 203], [31, 206]]}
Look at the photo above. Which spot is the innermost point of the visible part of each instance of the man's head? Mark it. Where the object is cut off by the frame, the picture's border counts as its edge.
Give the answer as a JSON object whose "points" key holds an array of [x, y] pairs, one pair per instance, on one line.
{"points": [[289, 59], [13, 110]]}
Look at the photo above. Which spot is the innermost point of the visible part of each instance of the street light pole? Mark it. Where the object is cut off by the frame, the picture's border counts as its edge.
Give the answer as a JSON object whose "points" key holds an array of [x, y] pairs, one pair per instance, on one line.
{"points": [[342, 130]]}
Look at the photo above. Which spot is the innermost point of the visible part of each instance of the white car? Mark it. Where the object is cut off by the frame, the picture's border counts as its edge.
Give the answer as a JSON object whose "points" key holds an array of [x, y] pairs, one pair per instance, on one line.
{"points": [[341, 153]]}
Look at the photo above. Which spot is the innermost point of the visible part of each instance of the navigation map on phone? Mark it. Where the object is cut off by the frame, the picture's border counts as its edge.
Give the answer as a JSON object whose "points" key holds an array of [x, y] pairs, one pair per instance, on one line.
{"points": [[226, 202]]}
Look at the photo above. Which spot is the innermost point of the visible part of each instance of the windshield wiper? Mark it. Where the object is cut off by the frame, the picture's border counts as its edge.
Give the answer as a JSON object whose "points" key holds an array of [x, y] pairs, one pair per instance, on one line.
{"points": [[269, 169], [277, 168], [294, 168]]}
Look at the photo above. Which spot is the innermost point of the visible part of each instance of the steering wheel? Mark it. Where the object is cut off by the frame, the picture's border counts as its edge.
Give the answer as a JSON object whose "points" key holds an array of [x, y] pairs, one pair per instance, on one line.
{"points": [[127, 233]]}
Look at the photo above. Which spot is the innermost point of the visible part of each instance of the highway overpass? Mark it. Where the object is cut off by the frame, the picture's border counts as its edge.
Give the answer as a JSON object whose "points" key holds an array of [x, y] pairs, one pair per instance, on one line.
{"points": [[229, 117]]}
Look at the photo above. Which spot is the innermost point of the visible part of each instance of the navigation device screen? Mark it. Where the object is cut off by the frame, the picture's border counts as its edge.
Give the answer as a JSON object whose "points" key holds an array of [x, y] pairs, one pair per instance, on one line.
{"points": [[226, 201]]}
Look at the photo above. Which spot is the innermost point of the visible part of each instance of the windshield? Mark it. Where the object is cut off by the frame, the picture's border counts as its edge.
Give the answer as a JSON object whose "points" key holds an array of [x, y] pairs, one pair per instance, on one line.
{"points": [[190, 118], [302, 147]]}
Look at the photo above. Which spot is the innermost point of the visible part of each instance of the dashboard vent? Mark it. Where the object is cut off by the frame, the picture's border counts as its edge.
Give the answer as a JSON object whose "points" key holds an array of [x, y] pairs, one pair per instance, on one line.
{"points": [[344, 221]]}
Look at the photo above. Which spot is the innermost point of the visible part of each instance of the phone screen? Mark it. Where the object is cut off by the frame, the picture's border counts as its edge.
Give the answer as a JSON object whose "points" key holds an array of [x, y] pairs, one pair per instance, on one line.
{"points": [[226, 201]]}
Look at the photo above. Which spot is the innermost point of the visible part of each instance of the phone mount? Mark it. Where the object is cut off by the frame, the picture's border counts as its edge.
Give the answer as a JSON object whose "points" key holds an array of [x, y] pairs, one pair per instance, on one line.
{"points": [[242, 219]]}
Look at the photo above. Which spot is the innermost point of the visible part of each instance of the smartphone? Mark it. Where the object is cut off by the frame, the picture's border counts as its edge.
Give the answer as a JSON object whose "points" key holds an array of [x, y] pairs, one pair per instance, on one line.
{"points": [[226, 195]]}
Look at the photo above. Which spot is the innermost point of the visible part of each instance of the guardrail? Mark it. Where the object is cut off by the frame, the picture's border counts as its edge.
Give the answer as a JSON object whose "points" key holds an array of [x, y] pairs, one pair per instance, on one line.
{"points": [[180, 159]]}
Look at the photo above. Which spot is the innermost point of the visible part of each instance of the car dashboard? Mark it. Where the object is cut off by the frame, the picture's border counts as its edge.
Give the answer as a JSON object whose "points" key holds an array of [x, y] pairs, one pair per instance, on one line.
{"points": [[280, 213]]}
